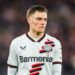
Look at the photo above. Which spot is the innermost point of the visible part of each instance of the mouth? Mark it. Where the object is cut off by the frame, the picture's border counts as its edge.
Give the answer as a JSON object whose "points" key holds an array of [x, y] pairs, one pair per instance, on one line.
{"points": [[42, 26]]}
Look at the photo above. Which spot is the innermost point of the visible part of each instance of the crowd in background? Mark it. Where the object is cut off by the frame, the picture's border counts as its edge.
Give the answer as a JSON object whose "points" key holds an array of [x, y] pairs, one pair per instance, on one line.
{"points": [[61, 24]]}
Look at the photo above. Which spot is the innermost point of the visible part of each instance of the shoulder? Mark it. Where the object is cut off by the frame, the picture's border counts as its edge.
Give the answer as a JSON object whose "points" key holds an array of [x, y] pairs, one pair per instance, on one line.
{"points": [[55, 40], [52, 38], [18, 39]]}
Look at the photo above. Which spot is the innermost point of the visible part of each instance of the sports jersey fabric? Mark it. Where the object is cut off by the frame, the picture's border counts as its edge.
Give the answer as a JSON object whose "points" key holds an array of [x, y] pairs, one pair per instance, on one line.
{"points": [[32, 57]]}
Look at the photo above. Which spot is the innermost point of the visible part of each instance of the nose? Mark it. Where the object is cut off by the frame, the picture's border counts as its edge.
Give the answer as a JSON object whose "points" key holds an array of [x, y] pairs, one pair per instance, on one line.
{"points": [[42, 24]]}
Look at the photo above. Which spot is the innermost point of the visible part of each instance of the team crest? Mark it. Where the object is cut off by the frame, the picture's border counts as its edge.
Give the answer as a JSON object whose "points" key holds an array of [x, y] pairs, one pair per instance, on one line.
{"points": [[48, 46]]}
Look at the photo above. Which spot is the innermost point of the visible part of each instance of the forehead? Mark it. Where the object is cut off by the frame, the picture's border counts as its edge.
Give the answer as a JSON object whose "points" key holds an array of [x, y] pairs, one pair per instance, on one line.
{"points": [[40, 14]]}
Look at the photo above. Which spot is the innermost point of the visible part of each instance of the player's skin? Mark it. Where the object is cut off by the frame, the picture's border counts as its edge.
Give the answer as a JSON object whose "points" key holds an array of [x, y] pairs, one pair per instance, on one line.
{"points": [[37, 22]]}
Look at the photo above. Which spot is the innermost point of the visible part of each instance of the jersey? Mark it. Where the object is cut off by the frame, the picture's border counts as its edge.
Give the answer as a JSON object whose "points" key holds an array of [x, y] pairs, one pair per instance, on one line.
{"points": [[32, 57]]}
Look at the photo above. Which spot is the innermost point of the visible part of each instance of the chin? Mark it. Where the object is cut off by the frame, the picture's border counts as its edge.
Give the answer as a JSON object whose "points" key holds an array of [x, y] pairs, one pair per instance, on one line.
{"points": [[41, 31]]}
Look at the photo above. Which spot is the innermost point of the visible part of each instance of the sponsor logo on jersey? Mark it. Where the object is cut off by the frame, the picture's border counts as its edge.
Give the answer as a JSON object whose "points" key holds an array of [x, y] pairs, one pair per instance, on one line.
{"points": [[23, 47], [36, 59]]}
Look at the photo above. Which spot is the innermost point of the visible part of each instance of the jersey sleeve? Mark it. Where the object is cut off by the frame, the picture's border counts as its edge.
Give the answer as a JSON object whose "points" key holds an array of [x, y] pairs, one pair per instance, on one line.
{"points": [[57, 59], [12, 58], [57, 55]]}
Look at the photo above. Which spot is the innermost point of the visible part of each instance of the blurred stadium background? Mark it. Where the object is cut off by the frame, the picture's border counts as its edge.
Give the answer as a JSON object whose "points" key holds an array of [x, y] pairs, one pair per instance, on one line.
{"points": [[61, 24]]}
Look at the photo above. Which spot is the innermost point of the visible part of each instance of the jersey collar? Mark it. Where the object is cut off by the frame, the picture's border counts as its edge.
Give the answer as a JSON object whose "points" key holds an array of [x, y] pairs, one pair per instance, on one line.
{"points": [[34, 40]]}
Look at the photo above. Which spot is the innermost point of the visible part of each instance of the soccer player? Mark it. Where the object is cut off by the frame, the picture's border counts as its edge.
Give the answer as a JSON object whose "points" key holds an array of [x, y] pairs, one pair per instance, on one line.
{"points": [[35, 52]]}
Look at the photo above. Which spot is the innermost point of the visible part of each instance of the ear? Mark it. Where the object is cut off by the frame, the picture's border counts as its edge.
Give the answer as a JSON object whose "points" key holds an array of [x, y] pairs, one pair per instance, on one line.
{"points": [[29, 20]]}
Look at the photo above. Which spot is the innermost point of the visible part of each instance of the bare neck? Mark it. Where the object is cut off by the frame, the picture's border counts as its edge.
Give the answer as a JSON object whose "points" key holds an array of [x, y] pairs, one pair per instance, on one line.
{"points": [[35, 34]]}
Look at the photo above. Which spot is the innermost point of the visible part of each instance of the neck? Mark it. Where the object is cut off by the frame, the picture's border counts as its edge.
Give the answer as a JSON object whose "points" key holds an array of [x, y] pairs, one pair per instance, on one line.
{"points": [[35, 34]]}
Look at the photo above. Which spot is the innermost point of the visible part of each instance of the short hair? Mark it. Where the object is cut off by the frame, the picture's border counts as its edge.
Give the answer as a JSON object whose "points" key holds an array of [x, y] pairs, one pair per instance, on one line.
{"points": [[35, 8]]}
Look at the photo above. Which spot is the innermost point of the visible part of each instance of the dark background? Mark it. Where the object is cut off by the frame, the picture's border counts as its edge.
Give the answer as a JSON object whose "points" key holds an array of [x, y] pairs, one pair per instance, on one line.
{"points": [[61, 24]]}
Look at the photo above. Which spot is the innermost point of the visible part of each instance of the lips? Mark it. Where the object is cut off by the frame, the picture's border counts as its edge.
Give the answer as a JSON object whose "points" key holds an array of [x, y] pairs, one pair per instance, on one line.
{"points": [[42, 27]]}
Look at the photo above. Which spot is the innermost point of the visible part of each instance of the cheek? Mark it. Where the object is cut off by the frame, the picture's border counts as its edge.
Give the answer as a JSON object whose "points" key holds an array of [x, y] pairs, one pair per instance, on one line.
{"points": [[36, 23]]}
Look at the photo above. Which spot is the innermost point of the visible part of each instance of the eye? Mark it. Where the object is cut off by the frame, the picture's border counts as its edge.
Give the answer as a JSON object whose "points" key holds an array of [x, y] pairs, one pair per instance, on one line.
{"points": [[39, 19], [45, 19]]}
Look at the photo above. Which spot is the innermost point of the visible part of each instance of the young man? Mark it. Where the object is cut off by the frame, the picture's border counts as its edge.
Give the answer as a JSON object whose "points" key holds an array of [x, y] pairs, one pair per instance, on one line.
{"points": [[35, 53]]}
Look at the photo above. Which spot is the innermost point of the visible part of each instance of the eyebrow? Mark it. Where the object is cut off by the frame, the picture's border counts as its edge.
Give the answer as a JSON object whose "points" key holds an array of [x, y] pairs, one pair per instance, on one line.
{"points": [[41, 18]]}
